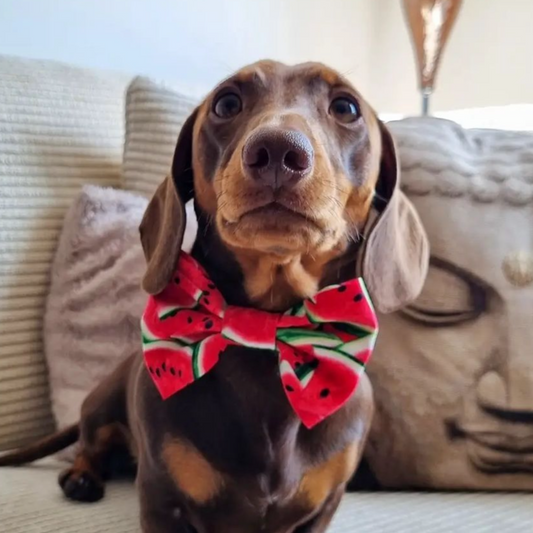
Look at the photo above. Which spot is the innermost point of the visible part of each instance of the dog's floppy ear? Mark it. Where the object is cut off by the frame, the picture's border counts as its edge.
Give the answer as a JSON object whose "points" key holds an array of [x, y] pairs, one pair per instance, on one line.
{"points": [[395, 255], [164, 220]]}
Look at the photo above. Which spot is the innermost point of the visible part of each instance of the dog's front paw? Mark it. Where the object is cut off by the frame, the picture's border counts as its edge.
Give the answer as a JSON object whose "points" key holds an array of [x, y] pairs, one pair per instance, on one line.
{"points": [[81, 485]]}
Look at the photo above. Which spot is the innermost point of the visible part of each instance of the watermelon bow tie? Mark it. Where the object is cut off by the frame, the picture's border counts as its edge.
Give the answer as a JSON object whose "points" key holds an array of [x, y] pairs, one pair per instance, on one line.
{"points": [[323, 344]]}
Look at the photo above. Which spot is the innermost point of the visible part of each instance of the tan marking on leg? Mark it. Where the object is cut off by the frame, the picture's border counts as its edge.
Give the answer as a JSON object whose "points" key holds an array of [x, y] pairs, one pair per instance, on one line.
{"points": [[318, 483], [111, 436], [84, 463], [190, 470]]}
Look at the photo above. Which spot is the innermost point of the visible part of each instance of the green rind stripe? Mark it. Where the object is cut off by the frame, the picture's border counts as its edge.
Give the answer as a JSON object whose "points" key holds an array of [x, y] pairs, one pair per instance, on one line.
{"points": [[146, 335], [303, 371], [352, 329], [297, 337], [297, 310], [168, 312], [167, 344], [231, 335], [342, 357], [358, 345], [196, 356], [367, 294]]}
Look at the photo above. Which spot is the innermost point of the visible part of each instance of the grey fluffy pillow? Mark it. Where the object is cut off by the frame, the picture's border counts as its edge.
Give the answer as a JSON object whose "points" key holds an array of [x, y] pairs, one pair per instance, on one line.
{"points": [[95, 300]]}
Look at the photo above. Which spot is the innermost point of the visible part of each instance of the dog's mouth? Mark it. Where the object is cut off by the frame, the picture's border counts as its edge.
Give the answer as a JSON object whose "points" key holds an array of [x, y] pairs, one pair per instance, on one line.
{"points": [[275, 213], [277, 229]]}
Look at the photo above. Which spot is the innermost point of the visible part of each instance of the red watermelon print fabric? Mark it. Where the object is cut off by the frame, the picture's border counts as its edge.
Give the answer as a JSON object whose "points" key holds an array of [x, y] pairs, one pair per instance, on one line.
{"points": [[323, 344]]}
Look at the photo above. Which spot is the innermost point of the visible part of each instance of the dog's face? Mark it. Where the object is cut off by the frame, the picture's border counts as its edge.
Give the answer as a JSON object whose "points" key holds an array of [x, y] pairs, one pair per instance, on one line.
{"points": [[285, 166], [285, 163], [286, 160]]}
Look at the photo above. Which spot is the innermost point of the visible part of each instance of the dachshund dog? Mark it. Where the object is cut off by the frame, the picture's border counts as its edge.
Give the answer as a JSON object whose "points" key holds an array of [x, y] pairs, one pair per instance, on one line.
{"points": [[295, 186]]}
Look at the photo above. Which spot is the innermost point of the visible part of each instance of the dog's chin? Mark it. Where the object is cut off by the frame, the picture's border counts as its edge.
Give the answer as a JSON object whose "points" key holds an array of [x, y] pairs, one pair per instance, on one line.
{"points": [[276, 230]]}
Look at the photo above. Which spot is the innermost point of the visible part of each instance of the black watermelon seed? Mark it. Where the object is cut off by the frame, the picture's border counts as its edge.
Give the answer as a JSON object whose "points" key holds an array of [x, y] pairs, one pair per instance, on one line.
{"points": [[151, 370], [288, 388], [313, 364], [324, 393], [172, 371], [189, 320], [206, 301], [211, 286], [207, 293], [158, 372], [342, 288], [164, 367], [358, 297], [209, 324], [176, 280]]}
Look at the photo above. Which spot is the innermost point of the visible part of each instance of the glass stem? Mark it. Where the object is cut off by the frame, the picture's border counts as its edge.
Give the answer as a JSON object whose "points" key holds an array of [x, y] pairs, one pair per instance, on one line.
{"points": [[426, 94]]}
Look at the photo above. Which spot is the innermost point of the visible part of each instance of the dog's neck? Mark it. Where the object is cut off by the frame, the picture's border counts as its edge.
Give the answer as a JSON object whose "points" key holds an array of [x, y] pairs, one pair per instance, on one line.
{"points": [[268, 281]]}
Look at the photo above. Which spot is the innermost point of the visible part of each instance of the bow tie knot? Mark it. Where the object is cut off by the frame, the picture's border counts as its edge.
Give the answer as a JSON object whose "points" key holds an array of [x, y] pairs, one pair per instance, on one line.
{"points": [[323, 344]]}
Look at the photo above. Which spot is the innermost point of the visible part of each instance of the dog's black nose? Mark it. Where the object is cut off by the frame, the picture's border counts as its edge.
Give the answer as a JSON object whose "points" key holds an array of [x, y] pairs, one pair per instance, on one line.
{"points": [[278, 157]]}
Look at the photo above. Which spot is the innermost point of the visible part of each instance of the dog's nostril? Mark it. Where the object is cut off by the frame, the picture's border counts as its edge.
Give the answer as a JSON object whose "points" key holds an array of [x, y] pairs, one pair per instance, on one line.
{"points": [[295, 161], [277, 157], [261, 159]]}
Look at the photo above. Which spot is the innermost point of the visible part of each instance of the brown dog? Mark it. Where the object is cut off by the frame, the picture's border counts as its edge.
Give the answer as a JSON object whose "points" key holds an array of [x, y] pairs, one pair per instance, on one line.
{"points": [[295, 185]]}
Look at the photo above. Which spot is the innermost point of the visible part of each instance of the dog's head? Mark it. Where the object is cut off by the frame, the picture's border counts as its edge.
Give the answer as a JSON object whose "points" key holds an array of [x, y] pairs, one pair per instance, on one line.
{"points": [[294, 175]]}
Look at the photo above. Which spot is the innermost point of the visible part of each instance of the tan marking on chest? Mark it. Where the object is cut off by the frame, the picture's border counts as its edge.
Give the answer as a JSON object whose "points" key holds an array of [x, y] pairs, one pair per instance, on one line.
{"points": [[191, 471], [275, 282], [318, 483]]}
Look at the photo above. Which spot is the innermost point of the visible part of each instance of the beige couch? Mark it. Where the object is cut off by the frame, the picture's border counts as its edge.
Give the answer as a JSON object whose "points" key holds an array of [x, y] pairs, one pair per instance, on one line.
{"points": [[61, 127]]}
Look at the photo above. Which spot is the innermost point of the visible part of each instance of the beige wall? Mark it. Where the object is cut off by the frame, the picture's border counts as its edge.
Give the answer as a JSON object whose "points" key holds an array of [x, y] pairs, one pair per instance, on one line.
{"points": [[488, 61], [196, 43], [336, 32]]}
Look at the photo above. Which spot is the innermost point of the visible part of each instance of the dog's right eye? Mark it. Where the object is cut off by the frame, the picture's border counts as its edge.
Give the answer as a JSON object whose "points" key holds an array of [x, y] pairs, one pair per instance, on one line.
{"points": [[227, 106], [344, 110]]}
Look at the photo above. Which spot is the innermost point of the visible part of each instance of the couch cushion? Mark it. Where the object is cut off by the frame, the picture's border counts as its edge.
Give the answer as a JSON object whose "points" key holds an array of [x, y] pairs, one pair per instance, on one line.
{"points": [[60, 127], [155, 113], [32, 503], [453, 373]]}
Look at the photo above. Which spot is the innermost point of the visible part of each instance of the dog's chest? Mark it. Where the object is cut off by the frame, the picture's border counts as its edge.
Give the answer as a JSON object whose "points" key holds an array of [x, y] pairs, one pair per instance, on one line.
{"points": [[231, 442], [237, 415]]}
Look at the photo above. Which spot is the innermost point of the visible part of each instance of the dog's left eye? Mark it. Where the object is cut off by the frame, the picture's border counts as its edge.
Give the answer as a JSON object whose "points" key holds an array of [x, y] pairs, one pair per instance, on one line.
{"points": [[344, 110], [227, 105]]}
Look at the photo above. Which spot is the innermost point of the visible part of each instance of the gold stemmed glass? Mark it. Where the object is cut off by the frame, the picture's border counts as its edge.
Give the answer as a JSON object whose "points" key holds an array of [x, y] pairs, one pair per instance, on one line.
{"points": [[430, 23]]}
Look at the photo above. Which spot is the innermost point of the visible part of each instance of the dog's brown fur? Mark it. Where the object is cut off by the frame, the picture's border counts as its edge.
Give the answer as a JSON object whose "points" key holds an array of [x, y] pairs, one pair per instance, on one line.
{"points": [[227, 454]]}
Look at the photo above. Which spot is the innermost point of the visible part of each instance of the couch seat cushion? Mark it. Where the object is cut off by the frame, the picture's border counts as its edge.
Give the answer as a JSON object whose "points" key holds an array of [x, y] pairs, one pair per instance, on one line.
{"points": [[31, 502]]}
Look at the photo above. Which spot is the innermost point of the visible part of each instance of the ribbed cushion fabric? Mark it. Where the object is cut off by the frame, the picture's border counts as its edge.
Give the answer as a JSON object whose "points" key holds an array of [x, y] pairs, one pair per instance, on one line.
{"points": [[155, 113], [60, 127], [31, 502]]}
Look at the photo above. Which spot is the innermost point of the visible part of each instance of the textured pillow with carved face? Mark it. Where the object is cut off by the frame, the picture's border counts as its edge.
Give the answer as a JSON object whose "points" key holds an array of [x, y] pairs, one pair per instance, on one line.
{"points": [[453, 373]]}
